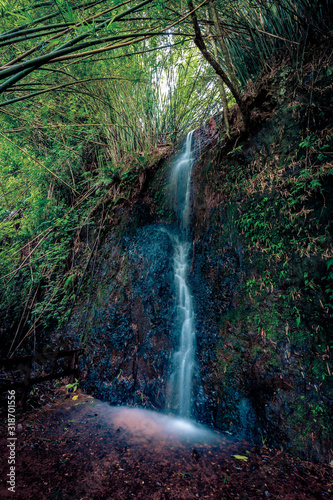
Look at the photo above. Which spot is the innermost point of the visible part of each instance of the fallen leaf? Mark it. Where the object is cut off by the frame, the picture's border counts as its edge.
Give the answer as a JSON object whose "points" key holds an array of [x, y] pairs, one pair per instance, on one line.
{"points": [[240, 457]]}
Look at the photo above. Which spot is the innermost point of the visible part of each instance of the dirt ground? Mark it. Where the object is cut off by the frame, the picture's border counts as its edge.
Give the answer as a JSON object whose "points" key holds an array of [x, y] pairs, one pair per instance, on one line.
{"points": [[84, 449]]}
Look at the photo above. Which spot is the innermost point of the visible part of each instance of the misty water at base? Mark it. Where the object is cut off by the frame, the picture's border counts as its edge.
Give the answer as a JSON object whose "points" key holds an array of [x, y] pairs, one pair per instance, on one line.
{"points": [[141, 424]]}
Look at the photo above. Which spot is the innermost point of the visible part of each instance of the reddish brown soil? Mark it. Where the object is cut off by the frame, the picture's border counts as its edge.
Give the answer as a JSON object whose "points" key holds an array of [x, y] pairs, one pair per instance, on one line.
{"points": [[77, 449]]}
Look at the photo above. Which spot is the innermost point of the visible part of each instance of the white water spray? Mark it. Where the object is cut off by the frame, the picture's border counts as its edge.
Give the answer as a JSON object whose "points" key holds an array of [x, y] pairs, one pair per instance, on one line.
{"points": [[184, 358]]}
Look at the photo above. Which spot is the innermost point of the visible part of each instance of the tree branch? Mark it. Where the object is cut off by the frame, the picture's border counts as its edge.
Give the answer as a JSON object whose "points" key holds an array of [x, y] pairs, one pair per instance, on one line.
{"points": [[199, 41]]}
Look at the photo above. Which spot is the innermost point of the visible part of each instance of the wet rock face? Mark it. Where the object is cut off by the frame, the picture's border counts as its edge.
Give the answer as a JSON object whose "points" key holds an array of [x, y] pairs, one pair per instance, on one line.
{"points": [[212, 281], [229, 393], [216, 271], [132, 340], [133, 333]]}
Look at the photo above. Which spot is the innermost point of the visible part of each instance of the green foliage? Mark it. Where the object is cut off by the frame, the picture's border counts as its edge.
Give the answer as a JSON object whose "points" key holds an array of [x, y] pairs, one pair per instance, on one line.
{"points": [[74, 386]]}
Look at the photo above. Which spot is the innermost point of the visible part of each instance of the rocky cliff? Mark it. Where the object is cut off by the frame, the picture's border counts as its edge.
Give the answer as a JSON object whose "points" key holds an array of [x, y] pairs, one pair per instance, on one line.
{"points": [[260, 276]]}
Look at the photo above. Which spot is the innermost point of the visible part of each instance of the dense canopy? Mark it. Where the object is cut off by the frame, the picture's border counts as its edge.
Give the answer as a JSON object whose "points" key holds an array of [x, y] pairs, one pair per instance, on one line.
{"points": [[92, 88]]}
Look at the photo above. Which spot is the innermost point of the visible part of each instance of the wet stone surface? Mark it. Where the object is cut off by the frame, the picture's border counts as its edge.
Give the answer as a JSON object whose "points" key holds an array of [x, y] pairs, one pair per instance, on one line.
{"points": [[132, 339]]}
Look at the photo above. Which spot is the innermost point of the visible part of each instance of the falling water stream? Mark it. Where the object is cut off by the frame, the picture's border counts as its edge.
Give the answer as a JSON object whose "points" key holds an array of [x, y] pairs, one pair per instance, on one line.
{"points": [[144, 427], [183, 361]]}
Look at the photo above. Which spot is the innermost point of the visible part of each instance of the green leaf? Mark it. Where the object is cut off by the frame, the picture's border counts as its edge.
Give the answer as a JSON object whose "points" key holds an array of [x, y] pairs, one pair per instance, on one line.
{"points": [[240, 457], [315, 183]]}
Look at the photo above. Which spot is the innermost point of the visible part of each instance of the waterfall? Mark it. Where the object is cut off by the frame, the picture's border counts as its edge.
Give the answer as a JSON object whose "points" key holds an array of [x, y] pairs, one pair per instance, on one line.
{"points": [[181, 183], [183, 360]]}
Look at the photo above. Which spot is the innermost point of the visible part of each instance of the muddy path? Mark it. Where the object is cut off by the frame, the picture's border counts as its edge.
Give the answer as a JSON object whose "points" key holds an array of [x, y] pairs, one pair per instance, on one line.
{"points": [[84, 449]]}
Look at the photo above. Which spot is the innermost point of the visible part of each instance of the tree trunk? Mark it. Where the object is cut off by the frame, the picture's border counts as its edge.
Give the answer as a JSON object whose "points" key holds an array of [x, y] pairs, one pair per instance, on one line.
{"points": [[222, 93], [224, 49], [198, 40]]}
